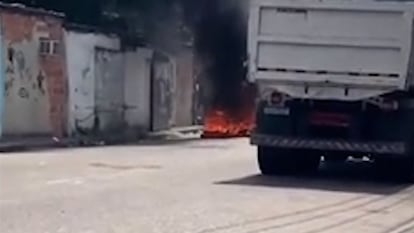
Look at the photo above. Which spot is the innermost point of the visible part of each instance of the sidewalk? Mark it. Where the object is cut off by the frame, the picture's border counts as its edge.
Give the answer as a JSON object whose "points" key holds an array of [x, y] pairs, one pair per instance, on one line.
{"points": [[19, 144]]}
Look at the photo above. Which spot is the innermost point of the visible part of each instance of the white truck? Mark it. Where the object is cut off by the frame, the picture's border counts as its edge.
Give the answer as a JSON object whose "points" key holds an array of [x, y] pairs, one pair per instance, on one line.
{"points": [[336, 79]]}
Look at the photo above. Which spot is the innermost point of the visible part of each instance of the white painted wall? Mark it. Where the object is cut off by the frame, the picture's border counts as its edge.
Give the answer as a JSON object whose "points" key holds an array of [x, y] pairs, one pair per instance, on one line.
{"points": [[138, 88], [81, 71]]}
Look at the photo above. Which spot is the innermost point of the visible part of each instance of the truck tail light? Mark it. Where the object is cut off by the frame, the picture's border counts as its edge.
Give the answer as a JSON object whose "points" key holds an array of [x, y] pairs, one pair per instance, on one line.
{"points": [[330, 119]]}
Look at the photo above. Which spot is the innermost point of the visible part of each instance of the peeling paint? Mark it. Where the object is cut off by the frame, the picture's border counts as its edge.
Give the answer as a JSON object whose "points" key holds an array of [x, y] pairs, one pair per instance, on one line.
{"points": [[24, 93], [40, 83], [34, 83]]}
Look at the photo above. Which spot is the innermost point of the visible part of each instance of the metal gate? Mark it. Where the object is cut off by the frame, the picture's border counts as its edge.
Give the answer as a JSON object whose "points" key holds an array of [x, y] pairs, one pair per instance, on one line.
{"points": [[109, 89], [162, 93]]}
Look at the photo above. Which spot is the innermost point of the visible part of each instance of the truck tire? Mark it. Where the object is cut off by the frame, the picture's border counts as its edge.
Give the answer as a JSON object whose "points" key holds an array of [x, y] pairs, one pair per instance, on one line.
{"points": [[408, 163], [399, 168], [408, 170], [396, 127], [266, 160], [276, 161]]}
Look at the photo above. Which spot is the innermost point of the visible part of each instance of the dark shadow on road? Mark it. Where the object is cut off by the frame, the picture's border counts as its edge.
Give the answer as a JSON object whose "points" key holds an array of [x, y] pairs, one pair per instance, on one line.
{"points": [[351, 177]]}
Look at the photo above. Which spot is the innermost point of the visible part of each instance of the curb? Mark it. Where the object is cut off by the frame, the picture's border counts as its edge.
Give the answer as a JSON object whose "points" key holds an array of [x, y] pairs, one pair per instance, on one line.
{"points": [[28, 144], [10, 147]]}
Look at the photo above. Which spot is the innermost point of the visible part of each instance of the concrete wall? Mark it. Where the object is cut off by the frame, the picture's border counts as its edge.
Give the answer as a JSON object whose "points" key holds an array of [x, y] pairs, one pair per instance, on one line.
{"points": [[138, 88], [81, 48], [35, 83]]}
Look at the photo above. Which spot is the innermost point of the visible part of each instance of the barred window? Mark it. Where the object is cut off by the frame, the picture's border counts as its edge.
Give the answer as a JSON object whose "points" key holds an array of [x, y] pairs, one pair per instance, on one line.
{"points": [[49, 47]]}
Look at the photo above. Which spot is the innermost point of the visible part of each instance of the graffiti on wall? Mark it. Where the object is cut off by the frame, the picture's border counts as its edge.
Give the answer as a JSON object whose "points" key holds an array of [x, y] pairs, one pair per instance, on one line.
{"points": [[34, 65], [19, 78], [26, 90]]}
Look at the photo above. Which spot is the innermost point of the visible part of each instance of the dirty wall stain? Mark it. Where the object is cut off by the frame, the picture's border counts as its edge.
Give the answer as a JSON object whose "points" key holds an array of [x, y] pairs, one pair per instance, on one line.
{"points": [[18, 69], [35, 97]]}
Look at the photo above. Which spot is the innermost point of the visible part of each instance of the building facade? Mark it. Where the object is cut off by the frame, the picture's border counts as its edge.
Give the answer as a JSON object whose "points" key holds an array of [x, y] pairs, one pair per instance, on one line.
{"points": [[109, 86], [34, 72], [63, 80]]}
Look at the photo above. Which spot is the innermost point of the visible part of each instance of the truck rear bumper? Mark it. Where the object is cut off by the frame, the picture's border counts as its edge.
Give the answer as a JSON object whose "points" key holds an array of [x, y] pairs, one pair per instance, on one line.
{"points": [[396, 148]]}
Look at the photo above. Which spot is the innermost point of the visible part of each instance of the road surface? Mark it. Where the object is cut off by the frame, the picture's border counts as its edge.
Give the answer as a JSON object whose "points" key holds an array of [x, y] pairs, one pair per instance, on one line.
{"points": [[209, 186]]}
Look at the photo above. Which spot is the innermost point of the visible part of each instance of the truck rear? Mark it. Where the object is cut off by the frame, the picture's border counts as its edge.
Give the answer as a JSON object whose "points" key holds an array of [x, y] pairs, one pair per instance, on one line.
{"points": [[335, 80]]}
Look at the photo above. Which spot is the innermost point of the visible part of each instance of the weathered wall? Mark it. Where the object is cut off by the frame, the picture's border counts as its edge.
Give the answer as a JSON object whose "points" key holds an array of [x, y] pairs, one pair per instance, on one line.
{"points": [[35, 84], [138, 88], [81, 48], [163, 89], [109, 91], [184, 91]]}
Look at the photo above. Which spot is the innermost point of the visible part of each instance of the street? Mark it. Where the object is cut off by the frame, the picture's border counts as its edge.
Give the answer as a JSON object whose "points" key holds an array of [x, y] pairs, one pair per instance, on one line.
{"points": [[200, 186]]}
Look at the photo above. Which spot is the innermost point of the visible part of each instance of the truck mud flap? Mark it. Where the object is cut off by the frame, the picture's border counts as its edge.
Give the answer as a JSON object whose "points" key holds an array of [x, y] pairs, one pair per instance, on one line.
{"points": [[397, 148]]}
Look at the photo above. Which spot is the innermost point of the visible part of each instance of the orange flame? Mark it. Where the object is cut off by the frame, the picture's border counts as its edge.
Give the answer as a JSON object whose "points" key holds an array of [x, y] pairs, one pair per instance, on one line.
{"points": [[225, 123], [221, 124]]}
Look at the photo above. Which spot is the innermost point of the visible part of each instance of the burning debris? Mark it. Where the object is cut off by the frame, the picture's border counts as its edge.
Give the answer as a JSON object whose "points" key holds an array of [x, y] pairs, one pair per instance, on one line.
{"points": [[224, 122], [221, 40]]}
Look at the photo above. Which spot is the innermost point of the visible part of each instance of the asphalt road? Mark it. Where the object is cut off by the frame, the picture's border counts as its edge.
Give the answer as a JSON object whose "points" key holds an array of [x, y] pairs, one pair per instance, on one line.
{"points": [[210, 186]]}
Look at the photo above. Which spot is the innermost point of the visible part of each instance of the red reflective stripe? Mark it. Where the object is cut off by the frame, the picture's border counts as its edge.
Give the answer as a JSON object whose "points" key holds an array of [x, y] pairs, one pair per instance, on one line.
{"points": [[330, 119]]}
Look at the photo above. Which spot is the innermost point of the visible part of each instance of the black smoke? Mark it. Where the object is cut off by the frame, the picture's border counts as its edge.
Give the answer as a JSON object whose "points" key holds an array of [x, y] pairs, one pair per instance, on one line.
{"points": [[220, 29]]}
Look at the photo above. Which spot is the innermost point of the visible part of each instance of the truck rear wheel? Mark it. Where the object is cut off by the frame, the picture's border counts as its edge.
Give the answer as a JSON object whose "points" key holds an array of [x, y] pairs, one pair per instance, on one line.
{"points": [[410, 161], [407, 164], [276, 161], [267, 161], [400, 168], [410, 170]]}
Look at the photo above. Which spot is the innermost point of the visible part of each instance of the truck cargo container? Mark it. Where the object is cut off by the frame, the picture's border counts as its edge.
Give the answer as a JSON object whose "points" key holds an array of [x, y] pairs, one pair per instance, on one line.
{"points": [[335, 79]]}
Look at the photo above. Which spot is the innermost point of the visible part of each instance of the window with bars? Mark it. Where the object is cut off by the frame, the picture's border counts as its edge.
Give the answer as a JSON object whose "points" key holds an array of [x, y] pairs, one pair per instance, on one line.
{"points": [[49, 47]]}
